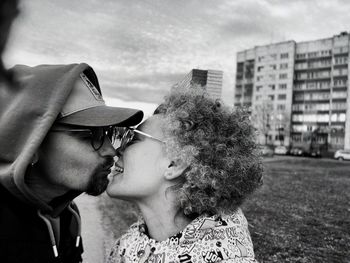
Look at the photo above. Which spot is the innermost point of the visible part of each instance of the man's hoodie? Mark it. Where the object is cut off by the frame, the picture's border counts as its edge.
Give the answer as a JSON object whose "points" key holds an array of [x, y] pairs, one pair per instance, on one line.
{"points": [[209, 239], [27, 111]]}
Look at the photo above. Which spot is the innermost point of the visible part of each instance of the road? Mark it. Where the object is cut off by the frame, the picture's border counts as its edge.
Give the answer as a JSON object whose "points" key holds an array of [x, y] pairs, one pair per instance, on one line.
{"points": [[95, 239]]}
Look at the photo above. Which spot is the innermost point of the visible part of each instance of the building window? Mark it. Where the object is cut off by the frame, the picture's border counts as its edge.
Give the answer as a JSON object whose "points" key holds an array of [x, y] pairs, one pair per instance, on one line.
{"points": [[258, 97], [283, 65], [272, 86], [282, 96], [279, 137], [258, 88], [271, 97], [312, 54], [284, 55], [281, 107], [260, 58], [326, 52], [260, 68], [282, 86], [273, 56], [296, 138], [283, 76]]}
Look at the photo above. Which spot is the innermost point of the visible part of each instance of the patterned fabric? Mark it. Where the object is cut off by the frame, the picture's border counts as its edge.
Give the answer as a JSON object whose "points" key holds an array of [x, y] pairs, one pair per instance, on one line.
{"points": [[206, 239]]}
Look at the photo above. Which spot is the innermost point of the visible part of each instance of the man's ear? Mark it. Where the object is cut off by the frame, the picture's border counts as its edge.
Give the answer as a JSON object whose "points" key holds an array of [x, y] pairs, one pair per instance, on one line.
{"points": [[175, 169]]}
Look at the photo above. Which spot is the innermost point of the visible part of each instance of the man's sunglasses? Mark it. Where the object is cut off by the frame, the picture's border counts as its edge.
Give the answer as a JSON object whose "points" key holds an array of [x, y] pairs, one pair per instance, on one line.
{"points": [[97, 135]]}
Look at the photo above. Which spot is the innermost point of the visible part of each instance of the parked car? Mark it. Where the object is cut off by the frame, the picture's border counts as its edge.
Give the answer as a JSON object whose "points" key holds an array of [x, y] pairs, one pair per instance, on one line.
{"points": [[297, 151], [342, 155], [282, 150], [315, 152], [266, 150]]}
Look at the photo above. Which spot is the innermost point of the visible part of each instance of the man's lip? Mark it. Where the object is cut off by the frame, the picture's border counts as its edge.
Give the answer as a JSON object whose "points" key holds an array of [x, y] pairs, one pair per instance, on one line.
{"points": [[109, 166]]}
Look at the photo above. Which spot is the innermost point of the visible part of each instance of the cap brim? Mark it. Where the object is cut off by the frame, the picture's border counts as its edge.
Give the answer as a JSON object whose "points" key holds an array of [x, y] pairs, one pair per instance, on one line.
{"points": [[101, 116]]}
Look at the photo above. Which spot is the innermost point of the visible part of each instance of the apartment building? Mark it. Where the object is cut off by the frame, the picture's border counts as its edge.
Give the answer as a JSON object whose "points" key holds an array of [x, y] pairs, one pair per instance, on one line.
{"points": [[211, 80], [298, 92]]}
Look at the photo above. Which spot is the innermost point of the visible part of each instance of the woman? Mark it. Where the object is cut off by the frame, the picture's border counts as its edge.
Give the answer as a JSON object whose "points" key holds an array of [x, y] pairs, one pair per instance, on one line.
{"points": [[188, 168]]}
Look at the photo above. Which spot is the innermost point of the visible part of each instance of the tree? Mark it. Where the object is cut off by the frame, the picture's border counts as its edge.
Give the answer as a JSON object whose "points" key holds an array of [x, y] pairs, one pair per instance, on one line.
{"points": [[282, 124], [262, 118], [266, 119]]}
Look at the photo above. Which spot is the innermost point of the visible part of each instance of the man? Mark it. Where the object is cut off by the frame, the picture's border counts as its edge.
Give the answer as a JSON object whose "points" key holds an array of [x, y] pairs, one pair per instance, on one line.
{"points": [[56, 138]]}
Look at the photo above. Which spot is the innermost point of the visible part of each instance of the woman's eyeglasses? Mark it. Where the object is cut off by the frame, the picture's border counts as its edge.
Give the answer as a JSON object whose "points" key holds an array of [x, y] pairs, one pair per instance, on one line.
{"points": [[128, 135]]}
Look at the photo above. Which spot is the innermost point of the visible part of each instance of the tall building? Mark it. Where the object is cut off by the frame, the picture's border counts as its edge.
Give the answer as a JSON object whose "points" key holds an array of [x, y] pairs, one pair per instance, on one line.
{"points": [[298, 93], [211, 80]]}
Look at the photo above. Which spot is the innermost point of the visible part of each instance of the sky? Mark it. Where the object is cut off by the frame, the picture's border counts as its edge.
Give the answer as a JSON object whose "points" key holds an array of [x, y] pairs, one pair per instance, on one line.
{"points": [[140, 48]]}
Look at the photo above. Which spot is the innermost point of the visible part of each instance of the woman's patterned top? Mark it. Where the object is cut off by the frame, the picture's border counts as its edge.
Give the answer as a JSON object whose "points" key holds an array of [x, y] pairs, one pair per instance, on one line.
{"points": [[216, 238]]}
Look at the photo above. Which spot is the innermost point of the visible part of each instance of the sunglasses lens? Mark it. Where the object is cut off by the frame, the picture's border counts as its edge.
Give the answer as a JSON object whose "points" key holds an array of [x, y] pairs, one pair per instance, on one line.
{"points": [[127, 137], [98, 137]]}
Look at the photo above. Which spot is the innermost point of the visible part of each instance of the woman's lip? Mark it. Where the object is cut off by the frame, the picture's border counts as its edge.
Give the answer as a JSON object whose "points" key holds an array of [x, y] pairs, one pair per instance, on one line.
{"points": [[113, 174], [118, 166]]}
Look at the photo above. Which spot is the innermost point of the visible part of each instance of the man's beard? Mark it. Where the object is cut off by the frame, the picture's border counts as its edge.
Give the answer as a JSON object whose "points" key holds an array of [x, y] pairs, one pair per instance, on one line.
{"points": [[98, 183]]}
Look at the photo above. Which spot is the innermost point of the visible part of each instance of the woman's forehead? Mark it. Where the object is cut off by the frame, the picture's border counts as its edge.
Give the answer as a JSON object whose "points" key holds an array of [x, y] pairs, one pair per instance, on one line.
{"points": [[152, 125]]}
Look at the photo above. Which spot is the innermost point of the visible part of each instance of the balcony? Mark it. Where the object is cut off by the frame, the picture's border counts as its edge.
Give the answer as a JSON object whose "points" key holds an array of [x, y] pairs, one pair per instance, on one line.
{"points": [[341, 51], [311, 89], [311, 99], [313, 66], [320, 65], [341, 63], [339, 99], [312, 77], [340, 74], [300, 66]]}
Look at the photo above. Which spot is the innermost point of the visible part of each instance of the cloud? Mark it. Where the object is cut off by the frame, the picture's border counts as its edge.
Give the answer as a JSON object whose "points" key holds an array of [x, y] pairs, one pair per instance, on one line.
{"points": [[140, 48]]}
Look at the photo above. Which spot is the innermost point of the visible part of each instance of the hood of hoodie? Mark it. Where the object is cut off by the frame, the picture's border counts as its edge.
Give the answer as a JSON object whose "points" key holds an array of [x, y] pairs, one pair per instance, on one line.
{"points": [[206, 239], [27, 112]]}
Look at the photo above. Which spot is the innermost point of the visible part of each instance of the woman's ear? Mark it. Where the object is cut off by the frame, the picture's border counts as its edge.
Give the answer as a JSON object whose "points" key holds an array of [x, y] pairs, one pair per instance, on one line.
{"points": [[175, 169]]}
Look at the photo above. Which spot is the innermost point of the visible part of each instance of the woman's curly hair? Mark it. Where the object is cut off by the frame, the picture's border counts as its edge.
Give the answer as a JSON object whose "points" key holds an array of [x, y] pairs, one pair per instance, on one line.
{"points": [[218, 144]]}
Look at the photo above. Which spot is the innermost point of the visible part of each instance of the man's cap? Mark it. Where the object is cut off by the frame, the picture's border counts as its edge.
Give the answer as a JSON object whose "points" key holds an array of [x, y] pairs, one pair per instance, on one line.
{"points": [[85, 106]]}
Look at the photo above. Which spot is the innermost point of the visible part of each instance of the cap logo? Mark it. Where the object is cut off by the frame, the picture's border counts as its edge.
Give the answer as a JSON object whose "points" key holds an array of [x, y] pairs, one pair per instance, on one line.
{"points": [[91, 87]]}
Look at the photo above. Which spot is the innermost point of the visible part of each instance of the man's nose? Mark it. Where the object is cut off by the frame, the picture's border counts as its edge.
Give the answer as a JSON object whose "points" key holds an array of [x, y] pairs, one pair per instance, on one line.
{"points": [[107, 148]]}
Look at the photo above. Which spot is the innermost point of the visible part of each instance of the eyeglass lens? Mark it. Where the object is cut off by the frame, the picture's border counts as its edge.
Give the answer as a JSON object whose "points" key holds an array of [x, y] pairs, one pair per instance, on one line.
{"points": [[99, 135], [126, 138]]}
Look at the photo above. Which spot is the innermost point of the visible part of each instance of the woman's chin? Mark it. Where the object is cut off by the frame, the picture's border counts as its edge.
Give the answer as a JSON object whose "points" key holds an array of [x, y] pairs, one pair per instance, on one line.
{"points": [[111, 192], [112, 188]]}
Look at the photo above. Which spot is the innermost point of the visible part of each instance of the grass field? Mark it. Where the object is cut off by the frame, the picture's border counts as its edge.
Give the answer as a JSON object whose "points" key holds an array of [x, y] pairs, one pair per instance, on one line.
{"points": [[301, 214]]}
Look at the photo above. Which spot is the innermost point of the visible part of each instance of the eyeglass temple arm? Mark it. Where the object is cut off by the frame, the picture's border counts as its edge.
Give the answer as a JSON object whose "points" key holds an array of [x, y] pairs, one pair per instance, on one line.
{"points": [[142, 133]]}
